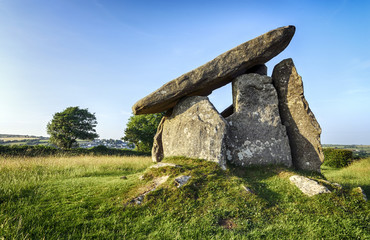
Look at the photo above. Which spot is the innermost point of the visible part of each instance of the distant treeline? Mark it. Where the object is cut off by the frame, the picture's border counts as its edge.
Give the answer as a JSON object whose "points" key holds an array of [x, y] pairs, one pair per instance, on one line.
{"points": [[45, 151]]}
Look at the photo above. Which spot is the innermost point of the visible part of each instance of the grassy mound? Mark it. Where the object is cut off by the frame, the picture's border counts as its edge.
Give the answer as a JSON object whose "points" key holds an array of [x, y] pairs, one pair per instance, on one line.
{"points": [[85, 197]]}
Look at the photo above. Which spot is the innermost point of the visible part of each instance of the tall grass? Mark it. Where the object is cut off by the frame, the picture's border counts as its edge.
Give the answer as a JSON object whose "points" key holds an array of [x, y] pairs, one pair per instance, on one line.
{"points": [[85, 198], [355, 175]]}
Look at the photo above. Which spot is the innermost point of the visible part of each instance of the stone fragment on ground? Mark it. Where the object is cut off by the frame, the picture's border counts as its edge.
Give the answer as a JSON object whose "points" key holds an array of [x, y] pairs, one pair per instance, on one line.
{"points": [[181, 180], [156, 182], [337, 185], [308, 186], [256, 135], [123, 177], [161, 165], [362, 192], [195, 130], [302, 127], [247, 189], [218, 72]]}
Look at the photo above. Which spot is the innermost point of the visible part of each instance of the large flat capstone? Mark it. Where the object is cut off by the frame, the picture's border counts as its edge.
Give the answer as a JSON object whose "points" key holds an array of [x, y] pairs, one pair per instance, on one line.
{"points": [[218, 72], [256, 134], [302, 127], [195, 129]]}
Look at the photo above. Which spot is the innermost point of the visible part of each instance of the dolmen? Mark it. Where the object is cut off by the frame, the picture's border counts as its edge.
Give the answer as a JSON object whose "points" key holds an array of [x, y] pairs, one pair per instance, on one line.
{"points": [[269, 121]]}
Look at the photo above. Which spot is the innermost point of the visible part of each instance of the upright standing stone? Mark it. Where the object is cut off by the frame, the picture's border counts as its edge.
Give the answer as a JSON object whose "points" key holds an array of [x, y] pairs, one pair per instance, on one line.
{"points": [[195, 129], [256, 135], [302, 128]]}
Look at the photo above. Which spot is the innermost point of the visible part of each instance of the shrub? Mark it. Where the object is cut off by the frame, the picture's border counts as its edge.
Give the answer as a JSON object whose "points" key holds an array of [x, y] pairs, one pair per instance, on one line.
{"points": [[44, 151], [337, 158]]}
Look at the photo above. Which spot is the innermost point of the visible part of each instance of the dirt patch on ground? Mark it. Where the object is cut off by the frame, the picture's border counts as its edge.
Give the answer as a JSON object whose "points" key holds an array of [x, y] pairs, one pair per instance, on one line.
{"points": [[227, 223]]}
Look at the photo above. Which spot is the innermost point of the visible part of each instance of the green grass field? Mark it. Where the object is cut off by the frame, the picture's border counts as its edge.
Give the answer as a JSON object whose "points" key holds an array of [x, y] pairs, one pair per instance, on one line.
{"points": [[85, 198]]}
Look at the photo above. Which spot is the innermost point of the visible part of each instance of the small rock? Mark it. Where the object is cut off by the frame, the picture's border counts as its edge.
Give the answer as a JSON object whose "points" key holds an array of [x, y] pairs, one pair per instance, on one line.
{"points": [[156, 182], [181, 180], [123, 177], [331, 184], [337, 185], [141, 178], [308, 186], [138, 200], [160, 165], [361, 191], [247, 189]]}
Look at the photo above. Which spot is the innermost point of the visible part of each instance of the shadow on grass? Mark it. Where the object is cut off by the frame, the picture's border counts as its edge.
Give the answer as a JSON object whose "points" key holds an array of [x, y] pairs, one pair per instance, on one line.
{"points": [[257, 178]]}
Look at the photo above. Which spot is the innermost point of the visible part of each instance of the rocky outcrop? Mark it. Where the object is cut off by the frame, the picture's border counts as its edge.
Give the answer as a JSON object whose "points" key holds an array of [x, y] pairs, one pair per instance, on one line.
{"points": [[195, 129], [308, 186], [302, 128], [256, 135], [218, 72]]}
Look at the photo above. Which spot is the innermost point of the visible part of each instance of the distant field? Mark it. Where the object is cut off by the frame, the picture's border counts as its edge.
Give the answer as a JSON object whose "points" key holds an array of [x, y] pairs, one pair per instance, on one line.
{"points": [[352, 147], [361, 151], [9, 140], [17, 138]]}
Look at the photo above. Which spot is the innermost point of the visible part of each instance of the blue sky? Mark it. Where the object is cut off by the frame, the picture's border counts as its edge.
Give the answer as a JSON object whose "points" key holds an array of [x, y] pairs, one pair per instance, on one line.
{"points": [[106, 55]]}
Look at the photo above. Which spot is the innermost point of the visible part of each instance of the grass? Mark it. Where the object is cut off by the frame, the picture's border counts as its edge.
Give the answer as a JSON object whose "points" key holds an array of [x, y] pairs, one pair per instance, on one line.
{"points": [[85, 198], [355, 175]]}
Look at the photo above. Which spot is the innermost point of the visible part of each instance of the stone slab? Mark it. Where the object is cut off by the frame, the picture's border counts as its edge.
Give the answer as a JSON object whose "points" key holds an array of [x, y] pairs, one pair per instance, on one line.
{"points": [[218, 72], [308, 186]]}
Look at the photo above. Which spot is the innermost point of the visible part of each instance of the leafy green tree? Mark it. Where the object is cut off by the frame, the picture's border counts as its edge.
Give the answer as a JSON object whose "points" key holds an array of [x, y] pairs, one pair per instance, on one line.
{"points": [[140, 130], [72, 124]]}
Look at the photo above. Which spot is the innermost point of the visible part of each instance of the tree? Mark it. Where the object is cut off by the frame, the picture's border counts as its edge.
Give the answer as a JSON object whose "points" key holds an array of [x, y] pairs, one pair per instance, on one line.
{"points": [[140, 130], [72, 124]]}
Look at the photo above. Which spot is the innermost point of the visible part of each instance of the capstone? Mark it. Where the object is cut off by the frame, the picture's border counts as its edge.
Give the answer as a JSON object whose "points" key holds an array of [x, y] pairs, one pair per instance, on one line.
{"points": [[218, 72]]}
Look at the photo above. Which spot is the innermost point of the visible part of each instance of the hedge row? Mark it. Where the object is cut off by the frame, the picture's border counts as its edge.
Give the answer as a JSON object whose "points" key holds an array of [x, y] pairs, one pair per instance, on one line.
{"points": [[44, 151], [337, 158]]}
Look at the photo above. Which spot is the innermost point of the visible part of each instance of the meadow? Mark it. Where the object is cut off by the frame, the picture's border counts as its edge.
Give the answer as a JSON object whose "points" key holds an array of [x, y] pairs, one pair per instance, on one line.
{"points": [[88, 197]]}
